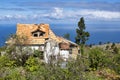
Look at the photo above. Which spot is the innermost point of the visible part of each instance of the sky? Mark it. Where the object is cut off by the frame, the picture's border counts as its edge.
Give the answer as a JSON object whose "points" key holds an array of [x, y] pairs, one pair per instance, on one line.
{"points": [[99, 15]]}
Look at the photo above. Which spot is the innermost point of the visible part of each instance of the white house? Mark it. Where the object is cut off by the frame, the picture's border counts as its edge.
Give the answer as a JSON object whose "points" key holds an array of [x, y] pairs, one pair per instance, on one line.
{"points": [[39, 37]]}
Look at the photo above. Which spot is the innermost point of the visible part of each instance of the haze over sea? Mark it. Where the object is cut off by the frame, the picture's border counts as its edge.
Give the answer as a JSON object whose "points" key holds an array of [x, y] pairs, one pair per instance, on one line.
{"points": [[102, 17], [96, 35]]}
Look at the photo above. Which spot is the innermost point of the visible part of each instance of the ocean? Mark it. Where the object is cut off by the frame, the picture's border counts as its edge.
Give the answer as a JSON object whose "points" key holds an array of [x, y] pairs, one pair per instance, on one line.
{"points": [[95, 36]]}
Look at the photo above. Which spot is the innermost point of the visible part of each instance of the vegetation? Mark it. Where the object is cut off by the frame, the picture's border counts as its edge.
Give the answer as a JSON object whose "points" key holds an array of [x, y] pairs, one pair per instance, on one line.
{"points": [[82, 36], [66, 36], [97, 63]]}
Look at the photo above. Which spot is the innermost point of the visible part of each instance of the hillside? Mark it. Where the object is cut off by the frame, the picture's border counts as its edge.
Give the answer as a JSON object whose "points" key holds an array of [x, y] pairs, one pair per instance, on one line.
{"points": [[97, 63]]}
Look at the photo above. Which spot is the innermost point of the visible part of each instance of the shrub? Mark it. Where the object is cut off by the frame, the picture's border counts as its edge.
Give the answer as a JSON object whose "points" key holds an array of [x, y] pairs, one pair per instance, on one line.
{"points": [[2, 49], [13, 74], [32, 64], [116, 50], [107, 47], [96, 58], [108, 74], [15, 53], [6, 62], [116, 63], [92, 76], [113, 45], [38, 53]]}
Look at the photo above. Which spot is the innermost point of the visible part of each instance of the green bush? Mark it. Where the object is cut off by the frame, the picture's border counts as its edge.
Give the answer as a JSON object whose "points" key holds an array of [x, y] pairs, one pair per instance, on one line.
{"points": [[38, 53], [2, 49], [6, 62], [108, 74], [13, 74], [92, 76], [116, 50], [96, 58], [73, 71], [113, 45], [19, 55], [32, 64], [94, 64], [116, 63]]}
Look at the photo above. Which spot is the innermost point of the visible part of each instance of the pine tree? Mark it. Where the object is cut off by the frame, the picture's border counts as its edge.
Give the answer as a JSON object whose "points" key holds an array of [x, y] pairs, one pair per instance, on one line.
{"points": [[82, 36], [67, 36]]}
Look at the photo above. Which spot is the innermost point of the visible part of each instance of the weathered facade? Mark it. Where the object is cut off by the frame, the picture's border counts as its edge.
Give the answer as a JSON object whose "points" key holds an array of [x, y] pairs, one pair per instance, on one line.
{"points": [[38, 34]]}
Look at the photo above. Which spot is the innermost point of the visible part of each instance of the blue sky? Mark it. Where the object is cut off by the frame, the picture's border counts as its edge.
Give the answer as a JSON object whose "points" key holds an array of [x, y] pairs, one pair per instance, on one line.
{"points": [[99, 15]]}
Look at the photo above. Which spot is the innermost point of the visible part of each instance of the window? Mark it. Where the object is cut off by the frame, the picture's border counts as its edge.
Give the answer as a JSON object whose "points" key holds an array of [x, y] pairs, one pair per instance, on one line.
{"points": [[35, 35], [41, 34], [70, 51], [38, 33]]}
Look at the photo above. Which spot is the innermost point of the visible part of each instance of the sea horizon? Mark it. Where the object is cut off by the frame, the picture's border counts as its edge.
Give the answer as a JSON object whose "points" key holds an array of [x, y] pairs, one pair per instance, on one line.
{"points": [[59, 29]]}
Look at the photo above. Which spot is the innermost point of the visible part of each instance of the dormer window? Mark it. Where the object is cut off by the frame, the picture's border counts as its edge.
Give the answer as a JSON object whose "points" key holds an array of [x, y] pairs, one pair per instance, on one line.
{"points": [[38, 33], [35, 34]]}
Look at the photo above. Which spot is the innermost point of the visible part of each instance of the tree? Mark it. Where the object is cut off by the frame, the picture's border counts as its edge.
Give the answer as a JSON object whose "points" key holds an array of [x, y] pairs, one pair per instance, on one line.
{"points": [[113, 45], [67, 36], [82, 36], [17, 50], [116, 50], [100, 43]]}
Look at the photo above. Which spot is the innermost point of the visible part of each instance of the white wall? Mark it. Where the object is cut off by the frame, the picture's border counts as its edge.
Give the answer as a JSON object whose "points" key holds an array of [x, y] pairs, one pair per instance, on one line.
{"points": [[37, 48], [64, 54]]}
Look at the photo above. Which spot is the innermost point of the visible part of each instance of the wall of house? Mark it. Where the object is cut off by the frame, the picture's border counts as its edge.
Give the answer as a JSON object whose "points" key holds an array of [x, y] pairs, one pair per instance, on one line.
{"points": [[39, 47], [64, 54], [74, 52]]}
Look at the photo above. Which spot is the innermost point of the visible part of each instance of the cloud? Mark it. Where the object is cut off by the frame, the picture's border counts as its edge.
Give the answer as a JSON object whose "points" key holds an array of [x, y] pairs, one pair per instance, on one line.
{"points": [[13, 9], [57, 13], [73, 4], [60, 13], [12, 17], [100, 14], [62, 10]]}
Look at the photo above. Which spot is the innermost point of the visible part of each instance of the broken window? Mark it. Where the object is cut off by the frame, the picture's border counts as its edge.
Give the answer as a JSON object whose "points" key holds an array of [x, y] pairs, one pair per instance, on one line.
{"points": [[70, 51], [38, 33], [41, 34], [35, 35]]}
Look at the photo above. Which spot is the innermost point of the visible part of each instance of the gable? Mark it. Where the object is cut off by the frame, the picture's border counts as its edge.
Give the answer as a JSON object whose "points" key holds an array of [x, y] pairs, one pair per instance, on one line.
{"points": [[38, 33], [29, 29]]}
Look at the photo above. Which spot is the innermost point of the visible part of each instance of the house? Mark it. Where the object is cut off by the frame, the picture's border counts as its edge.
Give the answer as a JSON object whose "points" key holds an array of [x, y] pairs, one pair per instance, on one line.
{"points": [[38, 34]]}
